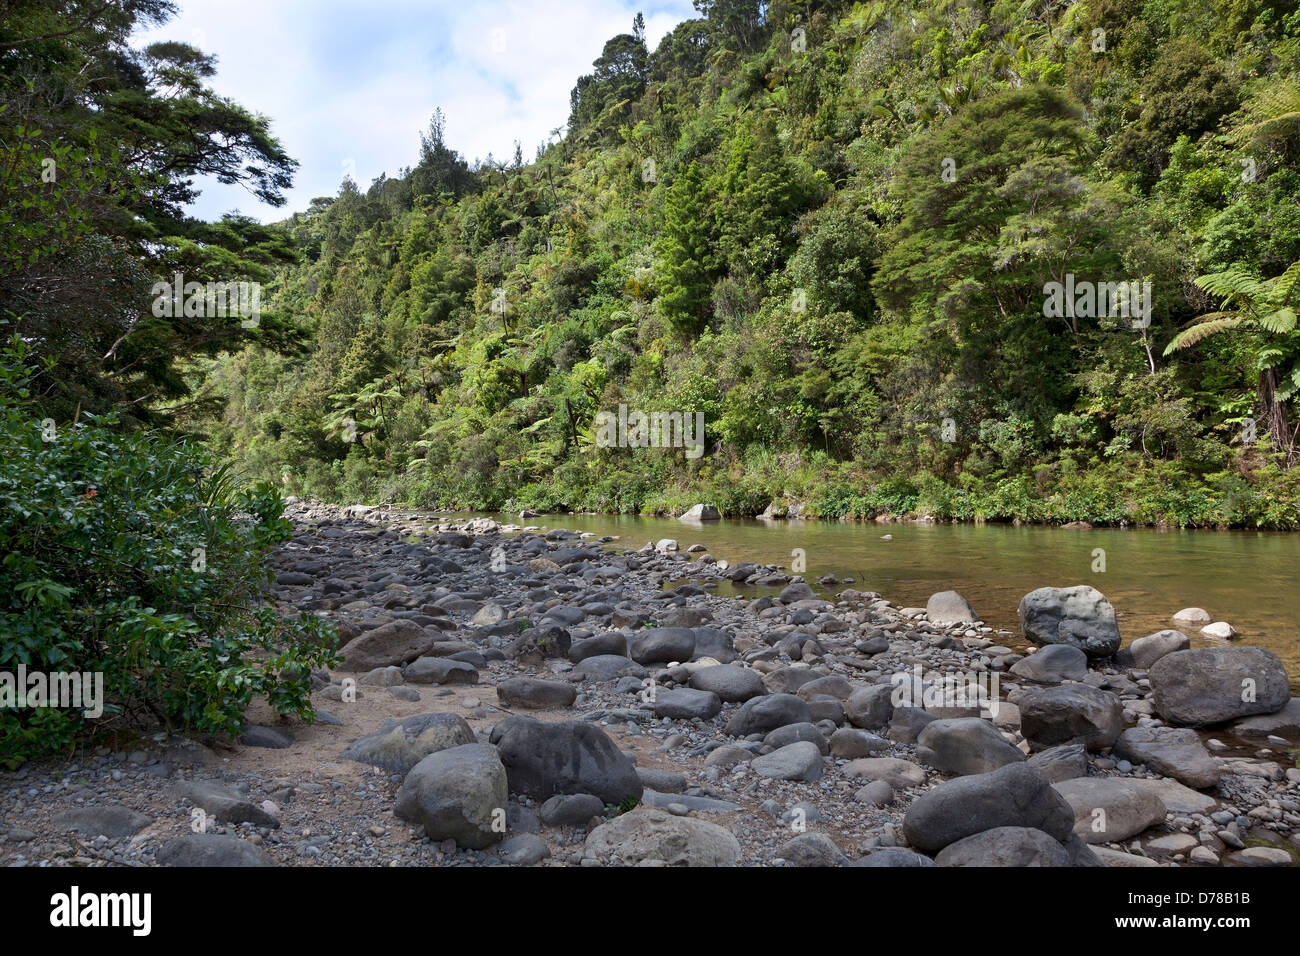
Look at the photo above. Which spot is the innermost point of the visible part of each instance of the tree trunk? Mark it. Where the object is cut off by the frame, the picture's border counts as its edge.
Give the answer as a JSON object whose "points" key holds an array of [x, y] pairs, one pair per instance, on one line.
{"points": [[1275, 415]]}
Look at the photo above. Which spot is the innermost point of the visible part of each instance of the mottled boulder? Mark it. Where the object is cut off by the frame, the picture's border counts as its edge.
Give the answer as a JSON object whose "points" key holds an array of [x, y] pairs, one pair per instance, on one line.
{"points": [[965, 745], [397, 746], [949, 607], [543, 759], [1079, 616], [1171, 752], [1070, 714], [1012, 796], [1053, 664], [649, 834], [457, 794], [1110, 809], [1212, 685], [1145, 651], [396, 642]]}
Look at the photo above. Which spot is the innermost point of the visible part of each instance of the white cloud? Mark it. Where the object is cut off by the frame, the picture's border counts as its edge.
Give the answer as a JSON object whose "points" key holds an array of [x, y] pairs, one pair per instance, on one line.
{"points": [[343, 80]]}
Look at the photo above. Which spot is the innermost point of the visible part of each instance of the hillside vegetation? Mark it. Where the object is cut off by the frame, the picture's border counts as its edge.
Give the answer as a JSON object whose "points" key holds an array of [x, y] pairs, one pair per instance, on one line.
{"points": [[830, 228]]}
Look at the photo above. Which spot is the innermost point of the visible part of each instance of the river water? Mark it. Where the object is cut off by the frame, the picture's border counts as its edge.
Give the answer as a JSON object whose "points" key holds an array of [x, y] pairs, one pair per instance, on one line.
{"points": [[1244, 578]]}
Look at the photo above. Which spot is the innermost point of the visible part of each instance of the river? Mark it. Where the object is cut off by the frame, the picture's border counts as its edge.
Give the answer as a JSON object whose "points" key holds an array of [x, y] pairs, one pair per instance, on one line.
{"points": [[1240, 577]]}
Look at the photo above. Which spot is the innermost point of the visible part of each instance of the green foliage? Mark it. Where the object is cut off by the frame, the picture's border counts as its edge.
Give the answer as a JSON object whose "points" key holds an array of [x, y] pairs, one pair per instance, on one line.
{"points": [[128, 554]]}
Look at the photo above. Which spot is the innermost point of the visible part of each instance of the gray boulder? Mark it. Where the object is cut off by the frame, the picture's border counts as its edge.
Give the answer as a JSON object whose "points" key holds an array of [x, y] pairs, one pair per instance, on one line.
{"points": [[1079, 616], [530, 692], [761, 715], [1069, 714], [1171, 752], [211, 849], [1110, 809], [1053, 664], [649, 834], [543, 759], [1012, 796], [396, 642], [1212, 685], [801, 760], [685, 703], [1145, 651], [949, 607], [1005, 846], [965, 745], [731, 682], [457, 794], [662, 645], [397, 746]]}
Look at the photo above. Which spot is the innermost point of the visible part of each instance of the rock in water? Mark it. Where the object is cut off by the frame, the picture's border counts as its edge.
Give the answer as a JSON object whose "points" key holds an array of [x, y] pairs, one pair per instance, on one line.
{"points": [[543, 759], [648, 834], [457, 794], [949, 607], [1012, 796], [701, 513], [1145, 651], [399, 746], [1079, 616], [1211, 685]]}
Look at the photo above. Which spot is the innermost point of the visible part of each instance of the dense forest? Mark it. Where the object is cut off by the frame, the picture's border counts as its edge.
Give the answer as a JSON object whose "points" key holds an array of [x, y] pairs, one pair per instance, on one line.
{"points": [[831, 228]]}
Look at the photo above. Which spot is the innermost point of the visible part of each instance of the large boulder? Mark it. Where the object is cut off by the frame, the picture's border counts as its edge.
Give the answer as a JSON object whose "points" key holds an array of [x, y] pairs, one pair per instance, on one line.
{"points": [[731, 682], [801, 760], [662, 645], [534, 693], [394, 643], [870, 708], [684, 703], [649, 834], [949, 607], [1012, 796], [209, 850], [760, 715], [457, 794], [1110, 809], [397, 746], [1079, 616], [1212, 685], [1070, 714], [1005, 846], [1172, 752], [543, 759], [701, 513], [965, 745]]}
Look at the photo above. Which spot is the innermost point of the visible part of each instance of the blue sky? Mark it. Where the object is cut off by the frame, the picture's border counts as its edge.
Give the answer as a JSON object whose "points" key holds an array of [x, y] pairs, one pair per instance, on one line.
{"points": [[349, 84]]}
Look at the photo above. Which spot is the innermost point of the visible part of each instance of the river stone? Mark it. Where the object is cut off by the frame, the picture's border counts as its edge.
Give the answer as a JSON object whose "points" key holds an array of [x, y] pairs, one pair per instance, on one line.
{"points": [[1012, 796], [801, 760], [1220, 630], [1062, 762], [224, 804], [570, 809], [1285, 721], [397, 642], [605, 667], [685, 703], [456, 794], [828, 685], [870, 708], [1191, 616], [799, 591], [893, 856], [949, 607], [1110, 809], [715, 644], [1005, 846], [906, 724], [787, 680], [731, 682], [1053, 664], [965, 745], [1145, 651], [1070, 713], [440, 670], [211, 849], [650, 834], [530, 692], [1170, 752], [611, 643], [1206, 686], [790, 733], [701, 513], [898, 773], [1079, 616], [848, 743], [810, 849], [543, 759], [111, 820], [1177, 798], [397, 746], [661, 645], [525, 849], [760, 715]]}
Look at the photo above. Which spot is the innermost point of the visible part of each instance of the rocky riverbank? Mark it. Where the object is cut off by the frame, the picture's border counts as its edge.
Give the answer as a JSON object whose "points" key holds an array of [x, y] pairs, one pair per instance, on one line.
{"points": [[533, 696]]}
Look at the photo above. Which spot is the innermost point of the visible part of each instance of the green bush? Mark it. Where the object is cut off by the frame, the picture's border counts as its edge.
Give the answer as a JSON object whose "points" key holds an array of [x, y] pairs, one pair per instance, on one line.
{"points": [[126, 554]]}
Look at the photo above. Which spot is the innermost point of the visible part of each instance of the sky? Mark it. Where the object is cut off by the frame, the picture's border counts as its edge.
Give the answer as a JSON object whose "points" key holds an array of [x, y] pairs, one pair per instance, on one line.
{"points": [[349, 84]]}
